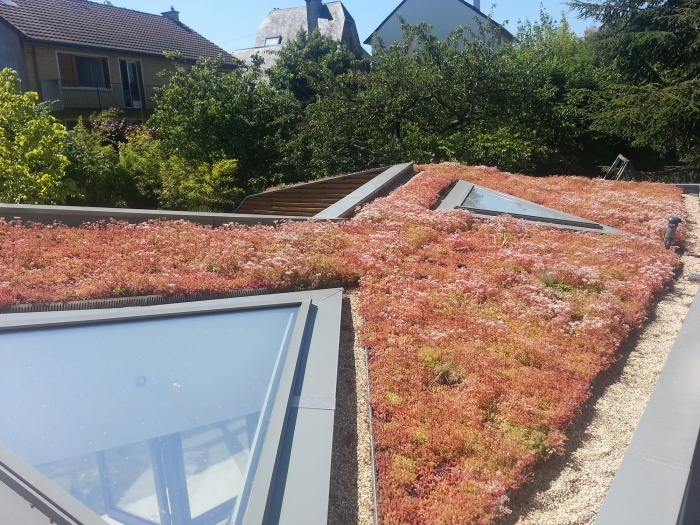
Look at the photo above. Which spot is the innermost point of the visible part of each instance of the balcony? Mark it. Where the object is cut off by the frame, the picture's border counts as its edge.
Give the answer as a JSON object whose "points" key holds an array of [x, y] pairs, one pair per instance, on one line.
{"points": [[97, 98]]}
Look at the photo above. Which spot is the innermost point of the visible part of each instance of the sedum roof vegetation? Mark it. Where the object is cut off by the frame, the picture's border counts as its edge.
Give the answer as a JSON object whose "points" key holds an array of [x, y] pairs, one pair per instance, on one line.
{"points": [[483, 336]]}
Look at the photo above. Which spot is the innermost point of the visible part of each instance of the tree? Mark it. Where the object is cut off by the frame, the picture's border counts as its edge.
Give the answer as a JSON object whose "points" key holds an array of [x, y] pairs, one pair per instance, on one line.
{"points": [[96, 168], [206, 114], [308, 66], [567, 78], [428, 101], [118, 165], [655, 49], [32, 142], [176, 183]]}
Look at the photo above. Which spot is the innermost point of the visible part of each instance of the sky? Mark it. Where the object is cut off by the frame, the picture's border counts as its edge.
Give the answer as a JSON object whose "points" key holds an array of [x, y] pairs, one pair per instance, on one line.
{"points": [[231, 24]]}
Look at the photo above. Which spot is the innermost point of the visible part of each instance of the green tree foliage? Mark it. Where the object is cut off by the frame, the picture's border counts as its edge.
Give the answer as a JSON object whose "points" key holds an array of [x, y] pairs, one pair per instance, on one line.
{"points": [[206, 114], [32, 160], [566, 77], [425, 100], [655, 49], [177, 183], [308, 66], [96, 170], [117, 165]]}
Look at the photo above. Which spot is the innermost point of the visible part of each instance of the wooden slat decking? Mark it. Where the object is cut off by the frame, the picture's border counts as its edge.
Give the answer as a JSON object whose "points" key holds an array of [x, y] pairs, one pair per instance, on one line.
{"points": [[305, 200]]}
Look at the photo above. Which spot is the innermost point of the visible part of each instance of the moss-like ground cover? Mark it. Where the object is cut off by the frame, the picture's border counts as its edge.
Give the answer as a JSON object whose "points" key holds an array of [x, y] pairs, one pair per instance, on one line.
{"points": [[483, 336]]}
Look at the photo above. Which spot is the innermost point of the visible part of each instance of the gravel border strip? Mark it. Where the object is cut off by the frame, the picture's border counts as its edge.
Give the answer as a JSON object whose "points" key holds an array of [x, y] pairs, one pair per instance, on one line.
{"points": [[352, 490]]}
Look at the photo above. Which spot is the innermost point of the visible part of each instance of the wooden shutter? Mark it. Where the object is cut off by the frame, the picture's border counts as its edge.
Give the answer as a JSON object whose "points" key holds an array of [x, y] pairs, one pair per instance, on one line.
{"points": [[66, 66]]}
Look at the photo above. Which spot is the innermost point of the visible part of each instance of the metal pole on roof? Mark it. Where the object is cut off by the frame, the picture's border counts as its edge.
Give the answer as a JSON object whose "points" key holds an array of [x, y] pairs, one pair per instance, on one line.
{"points": [[670, 235]]}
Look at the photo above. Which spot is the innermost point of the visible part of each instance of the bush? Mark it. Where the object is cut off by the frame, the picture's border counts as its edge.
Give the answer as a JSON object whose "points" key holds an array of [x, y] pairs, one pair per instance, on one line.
{"points": [[32, 142]]}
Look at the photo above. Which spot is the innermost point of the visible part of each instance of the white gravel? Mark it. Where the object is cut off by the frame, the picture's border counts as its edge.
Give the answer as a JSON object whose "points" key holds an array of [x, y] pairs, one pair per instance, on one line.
{"points": [[569, 489]]}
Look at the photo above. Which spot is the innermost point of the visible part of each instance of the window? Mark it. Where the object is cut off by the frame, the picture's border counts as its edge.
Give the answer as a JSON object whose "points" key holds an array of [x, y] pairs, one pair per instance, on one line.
{"points": [[273, 41], [485, 202], [132, 83], [84, 71], [177, 414]]}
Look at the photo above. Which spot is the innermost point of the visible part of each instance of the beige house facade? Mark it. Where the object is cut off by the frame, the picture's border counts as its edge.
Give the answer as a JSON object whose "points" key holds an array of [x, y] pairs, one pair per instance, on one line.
{"points": [[85, 57]]}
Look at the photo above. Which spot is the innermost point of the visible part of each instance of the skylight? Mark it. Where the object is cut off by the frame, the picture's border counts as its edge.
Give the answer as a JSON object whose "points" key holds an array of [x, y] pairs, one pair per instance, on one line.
{"points": [[169, 414], [484, 199], [486, 202]]}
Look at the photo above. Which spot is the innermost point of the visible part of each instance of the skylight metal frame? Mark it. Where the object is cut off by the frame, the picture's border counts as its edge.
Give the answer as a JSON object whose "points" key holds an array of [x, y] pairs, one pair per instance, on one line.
{"points": [[283, 489], [456, 197]]}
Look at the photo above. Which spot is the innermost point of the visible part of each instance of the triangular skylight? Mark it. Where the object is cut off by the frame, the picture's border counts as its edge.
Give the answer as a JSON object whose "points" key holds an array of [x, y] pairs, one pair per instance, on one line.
{"points": [[488, 203], [166, 419]]}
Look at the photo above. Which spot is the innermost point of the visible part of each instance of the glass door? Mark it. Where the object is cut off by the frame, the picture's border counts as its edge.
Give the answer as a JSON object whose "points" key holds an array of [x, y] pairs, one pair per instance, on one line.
{"points": [[131, 83]]}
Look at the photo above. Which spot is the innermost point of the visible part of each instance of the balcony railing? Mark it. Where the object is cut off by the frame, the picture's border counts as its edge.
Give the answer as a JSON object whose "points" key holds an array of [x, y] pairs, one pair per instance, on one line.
{"points": [[97, 98]]}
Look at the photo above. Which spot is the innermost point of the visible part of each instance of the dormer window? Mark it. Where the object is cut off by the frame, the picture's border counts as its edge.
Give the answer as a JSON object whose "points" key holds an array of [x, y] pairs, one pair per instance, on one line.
{"points": [[273, 41]]}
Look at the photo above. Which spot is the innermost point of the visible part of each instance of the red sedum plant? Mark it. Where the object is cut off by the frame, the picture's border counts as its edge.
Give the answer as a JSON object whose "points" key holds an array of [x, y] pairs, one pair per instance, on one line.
{"points": [[483, 336]]}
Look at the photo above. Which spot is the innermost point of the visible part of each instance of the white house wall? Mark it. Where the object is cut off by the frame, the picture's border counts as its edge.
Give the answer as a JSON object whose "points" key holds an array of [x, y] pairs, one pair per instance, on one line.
{"points": [[443, 15]]}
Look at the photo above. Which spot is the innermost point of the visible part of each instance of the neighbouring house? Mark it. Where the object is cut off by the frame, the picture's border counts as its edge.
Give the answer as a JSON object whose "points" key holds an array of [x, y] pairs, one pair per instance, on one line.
{"points": [[443, 15], [86, 56], [282, 25]]}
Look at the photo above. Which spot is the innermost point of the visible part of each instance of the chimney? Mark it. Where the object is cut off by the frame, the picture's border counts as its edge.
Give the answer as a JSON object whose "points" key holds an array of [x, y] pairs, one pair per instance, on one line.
{"points": [[172, 14], [477, 4], [313, 12]]}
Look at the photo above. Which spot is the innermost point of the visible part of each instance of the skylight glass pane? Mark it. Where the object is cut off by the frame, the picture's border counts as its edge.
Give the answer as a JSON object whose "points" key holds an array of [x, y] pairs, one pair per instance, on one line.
{"points": [[156, 420], [483, 199], [130, 482]]}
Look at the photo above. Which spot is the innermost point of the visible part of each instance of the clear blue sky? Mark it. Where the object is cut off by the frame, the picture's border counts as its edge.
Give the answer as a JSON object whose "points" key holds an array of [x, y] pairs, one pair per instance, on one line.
{"points": [[231, 24]]}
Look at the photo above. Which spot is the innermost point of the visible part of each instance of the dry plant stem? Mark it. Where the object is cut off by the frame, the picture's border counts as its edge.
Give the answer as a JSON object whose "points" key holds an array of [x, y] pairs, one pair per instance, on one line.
{"points": [[569, 489]]}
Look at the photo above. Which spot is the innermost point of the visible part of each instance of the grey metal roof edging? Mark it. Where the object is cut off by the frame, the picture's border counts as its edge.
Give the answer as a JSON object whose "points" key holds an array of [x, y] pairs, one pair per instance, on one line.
{"points": [[255, 496], [123, 302], [293, 488], [689, 189], [27, 494], [658, 467], [77, 215], [461, 189], [456, 195], [302, 483], [384, 182]]}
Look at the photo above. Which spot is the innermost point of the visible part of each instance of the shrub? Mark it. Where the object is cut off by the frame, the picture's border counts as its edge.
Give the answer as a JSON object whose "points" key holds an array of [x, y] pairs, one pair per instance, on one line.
{"points": [[32, 160]]}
